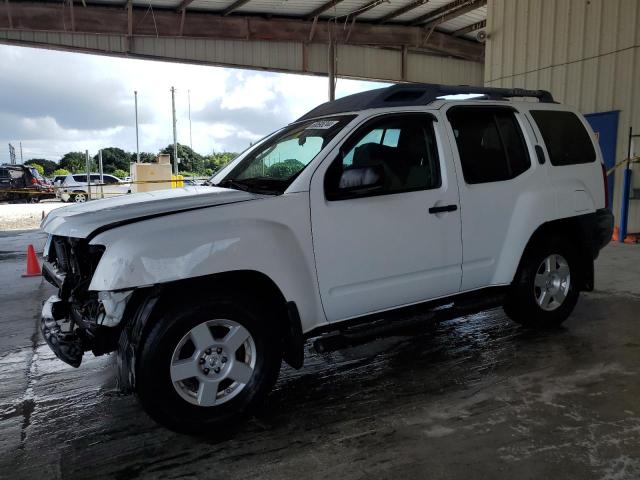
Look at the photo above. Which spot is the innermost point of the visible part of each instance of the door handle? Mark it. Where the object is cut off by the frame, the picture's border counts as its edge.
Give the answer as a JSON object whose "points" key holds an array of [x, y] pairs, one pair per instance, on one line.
{"points": [[443, 209]]}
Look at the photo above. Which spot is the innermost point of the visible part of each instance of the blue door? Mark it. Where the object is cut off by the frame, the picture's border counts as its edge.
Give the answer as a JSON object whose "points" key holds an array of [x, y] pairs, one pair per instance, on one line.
{"points": [[605, 126]]}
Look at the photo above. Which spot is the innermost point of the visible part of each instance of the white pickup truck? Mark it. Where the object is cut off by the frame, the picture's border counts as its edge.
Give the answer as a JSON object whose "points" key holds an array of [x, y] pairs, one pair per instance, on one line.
{"points": [[367, 207]]}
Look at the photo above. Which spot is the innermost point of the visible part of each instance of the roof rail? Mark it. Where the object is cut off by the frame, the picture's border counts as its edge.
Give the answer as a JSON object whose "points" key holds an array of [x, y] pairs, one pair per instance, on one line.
{"points": [[413, 94]]}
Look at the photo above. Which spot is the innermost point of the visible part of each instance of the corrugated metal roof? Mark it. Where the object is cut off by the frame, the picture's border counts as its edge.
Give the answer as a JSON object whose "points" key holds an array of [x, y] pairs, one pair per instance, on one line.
{"points": [[344, 8]]}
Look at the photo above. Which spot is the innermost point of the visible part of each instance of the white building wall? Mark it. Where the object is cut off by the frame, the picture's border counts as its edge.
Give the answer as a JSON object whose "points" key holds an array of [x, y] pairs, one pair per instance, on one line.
{"points": [[586, 52]]}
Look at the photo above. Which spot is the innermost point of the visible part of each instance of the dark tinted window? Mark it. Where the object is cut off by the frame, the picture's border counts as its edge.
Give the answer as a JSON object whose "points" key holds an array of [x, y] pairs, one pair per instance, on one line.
{"points": [[401, 148], [567, 140], [4, 173], [80, 178], [108, 179], [490, 143], [95, 178]]}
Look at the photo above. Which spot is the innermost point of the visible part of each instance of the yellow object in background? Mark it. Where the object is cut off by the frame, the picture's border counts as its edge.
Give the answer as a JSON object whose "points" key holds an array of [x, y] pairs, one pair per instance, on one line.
{"points": [[177, 181]]}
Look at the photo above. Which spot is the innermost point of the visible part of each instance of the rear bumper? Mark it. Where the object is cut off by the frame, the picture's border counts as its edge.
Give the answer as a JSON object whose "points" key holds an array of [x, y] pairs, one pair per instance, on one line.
{"points": [[602, 230]]}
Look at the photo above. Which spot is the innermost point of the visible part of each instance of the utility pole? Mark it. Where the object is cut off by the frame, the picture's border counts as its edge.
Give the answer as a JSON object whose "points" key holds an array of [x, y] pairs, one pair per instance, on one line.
{"points": [[175, 141], [190, 137], [101, 173], [135, 93], [86, 153], [21, 159]]}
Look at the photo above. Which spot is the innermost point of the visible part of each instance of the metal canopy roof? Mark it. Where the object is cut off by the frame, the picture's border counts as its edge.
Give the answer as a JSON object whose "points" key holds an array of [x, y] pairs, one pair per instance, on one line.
{"points": [[448, 16], [396, 40]]}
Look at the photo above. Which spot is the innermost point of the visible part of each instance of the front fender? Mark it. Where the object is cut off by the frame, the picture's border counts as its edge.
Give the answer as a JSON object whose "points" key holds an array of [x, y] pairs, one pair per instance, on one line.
{"points": [[270, 236]]}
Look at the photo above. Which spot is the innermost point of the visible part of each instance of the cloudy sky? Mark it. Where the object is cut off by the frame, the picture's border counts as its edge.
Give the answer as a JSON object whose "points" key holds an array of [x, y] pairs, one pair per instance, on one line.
{"points": [[55, 102]]}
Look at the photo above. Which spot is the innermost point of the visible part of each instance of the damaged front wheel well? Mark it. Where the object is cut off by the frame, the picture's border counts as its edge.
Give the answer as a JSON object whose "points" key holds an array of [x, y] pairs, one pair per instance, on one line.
{"points": [[146, 305]]}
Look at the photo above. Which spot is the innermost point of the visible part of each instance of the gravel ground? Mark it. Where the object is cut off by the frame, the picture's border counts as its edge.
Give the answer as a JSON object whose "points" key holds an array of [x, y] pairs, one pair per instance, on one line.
{"points": [[23, 216]]}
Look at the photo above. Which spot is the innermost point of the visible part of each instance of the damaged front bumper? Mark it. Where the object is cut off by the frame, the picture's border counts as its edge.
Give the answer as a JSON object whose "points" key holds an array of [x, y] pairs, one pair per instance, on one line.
{"points": [[69, 332], [66, 344]]}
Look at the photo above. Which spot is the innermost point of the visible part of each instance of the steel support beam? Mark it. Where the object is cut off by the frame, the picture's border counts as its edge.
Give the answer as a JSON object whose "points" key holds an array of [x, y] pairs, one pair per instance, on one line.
{"points": [[432, 15], [401, 11], [233, 7], [365, 8], [456, 13], [471, 28], [323, 8], [167, 23], [7, 7], [183, 5]]}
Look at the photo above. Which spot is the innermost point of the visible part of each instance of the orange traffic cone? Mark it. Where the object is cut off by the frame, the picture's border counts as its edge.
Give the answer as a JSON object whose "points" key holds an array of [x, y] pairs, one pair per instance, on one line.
{"points": [[33, 267]]}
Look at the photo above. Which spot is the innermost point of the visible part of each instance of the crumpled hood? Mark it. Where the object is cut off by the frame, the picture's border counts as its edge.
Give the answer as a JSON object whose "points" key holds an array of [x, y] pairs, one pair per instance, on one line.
{"points": [[80, 220]]}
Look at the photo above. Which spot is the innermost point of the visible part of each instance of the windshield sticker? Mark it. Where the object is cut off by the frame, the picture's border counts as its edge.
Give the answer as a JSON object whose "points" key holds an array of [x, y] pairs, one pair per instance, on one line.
{"points": [[322, 125]]}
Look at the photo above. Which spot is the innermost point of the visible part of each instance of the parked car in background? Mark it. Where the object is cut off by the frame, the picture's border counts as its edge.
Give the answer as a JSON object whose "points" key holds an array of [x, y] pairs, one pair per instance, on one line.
{"points": [[74, 187], [22, 183], [58, 179]]}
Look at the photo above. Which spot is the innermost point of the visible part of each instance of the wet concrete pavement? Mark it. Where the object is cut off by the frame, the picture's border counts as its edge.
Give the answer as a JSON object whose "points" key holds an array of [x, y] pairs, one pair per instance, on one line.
{"points": [[472, 397]]}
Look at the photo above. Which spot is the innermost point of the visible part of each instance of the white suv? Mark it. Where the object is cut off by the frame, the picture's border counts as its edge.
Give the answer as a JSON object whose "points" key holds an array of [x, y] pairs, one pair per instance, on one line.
{"points": [[374, 205], [74, 187]]}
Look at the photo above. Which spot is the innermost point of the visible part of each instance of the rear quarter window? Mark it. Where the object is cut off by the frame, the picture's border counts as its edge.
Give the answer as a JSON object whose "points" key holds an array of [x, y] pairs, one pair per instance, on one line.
{"points": [[566, 138]]}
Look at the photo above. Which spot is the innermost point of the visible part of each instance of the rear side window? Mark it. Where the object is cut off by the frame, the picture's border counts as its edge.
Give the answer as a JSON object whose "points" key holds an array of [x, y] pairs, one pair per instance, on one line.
{"points": [[108, 179], [567, 141], [80, 178], [490, 143], [4, 173]]}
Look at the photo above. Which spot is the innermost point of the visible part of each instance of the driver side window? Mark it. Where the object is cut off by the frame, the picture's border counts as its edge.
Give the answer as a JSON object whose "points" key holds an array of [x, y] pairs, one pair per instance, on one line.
{"points": [[392, 154]]}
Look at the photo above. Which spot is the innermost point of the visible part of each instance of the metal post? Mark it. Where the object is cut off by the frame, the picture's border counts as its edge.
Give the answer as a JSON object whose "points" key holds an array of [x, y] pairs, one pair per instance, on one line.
{"points": [[86, 153], [190, 137], [175, 141], [21, 159], [135, 93], [101, 173], [626, 187], [332, 71]]}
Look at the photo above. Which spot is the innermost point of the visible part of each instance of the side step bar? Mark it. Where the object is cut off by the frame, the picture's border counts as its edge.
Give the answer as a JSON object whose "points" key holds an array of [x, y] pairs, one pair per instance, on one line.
{"points": [[368, 328]]}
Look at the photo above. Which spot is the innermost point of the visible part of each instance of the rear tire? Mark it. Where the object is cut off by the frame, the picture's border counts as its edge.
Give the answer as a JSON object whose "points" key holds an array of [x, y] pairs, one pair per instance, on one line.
{"points": [[203, 401], [546, 288], [79, 197]]}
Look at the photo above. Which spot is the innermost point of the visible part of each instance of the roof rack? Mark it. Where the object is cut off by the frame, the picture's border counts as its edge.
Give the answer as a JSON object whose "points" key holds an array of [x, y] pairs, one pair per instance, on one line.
{"points": [[413, 94]]}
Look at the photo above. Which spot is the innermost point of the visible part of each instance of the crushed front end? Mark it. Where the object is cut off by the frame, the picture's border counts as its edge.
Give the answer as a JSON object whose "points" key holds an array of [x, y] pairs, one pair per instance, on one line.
{"points": [[77, 319]]}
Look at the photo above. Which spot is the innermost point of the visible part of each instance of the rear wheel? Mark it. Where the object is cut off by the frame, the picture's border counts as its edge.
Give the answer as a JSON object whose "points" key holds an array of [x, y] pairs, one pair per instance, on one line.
{"points": [[545, 290], [207, 365], [79, 197]]}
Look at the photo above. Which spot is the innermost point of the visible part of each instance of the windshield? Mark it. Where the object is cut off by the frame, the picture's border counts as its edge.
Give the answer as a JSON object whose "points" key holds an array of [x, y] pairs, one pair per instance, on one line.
{"points": [[275, 164]]}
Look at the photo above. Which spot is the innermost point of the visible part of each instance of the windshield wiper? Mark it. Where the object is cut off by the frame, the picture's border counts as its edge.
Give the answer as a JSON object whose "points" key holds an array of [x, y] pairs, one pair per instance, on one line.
{"points": [[234, 184], [250, 186]]}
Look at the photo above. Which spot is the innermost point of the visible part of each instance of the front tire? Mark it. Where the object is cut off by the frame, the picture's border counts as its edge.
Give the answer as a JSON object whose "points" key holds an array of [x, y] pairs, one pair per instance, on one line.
{"points": [[545, 290], [206, 366]]}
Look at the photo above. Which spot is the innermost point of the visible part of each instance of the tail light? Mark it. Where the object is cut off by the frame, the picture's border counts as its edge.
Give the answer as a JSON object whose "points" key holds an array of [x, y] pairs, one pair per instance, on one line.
{"points": [[34, 181], [606, 186]]}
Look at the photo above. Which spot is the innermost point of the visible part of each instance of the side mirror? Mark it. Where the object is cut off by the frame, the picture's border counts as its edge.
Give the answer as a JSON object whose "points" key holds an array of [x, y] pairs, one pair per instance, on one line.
{"points": [[356, 181]]}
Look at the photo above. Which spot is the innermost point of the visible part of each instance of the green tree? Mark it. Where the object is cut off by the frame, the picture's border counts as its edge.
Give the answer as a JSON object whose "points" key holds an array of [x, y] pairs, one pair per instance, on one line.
{"points": [[190, 161], [286, 169], [37, 166], [74, 162], [120, 173], [216, 161], [114, 158], [60, 171], [145, 157], [48, 165]]}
